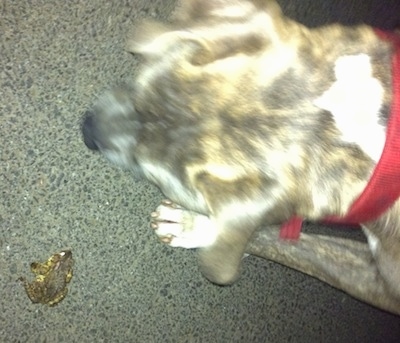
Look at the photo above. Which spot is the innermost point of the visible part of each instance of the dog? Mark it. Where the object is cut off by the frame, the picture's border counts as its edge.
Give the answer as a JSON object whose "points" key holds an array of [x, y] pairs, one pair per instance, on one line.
{"points": [[248, 121]]}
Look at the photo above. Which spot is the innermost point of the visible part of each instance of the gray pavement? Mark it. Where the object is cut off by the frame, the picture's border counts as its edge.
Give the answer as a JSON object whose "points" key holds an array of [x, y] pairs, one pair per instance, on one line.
{"points": [[55, 58]]}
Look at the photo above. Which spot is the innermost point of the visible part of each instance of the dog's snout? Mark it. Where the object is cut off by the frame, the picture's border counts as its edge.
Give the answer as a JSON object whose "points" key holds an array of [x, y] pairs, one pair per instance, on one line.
{"points": [[89, 131]]}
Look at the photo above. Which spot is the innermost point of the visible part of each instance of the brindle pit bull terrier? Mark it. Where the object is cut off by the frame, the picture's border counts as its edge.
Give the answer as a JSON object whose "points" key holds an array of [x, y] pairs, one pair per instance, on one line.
{"points": [[246, 119]]}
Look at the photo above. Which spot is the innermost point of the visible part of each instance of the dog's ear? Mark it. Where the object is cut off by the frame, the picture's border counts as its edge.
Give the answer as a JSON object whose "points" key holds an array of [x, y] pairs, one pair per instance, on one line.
{"points": [[140, 40], [156, 40], [205, 31]]}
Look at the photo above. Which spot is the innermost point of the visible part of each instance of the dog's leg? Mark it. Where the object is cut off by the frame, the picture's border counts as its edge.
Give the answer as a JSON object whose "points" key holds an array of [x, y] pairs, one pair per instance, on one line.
{"points": [[179, 227], [342, 263], [222, 239]]}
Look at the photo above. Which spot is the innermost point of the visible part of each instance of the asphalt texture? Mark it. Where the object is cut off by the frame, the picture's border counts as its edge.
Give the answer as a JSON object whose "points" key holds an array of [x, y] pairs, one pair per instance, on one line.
{"points": [[56, 57]]}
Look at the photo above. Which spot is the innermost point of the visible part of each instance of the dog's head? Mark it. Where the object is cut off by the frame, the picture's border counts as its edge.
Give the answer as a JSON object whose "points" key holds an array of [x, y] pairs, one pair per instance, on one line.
{"points": [[192, 66]]}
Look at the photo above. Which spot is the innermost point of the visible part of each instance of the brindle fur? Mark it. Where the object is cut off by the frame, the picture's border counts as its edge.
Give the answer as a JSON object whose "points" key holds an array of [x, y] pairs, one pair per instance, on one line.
{"points": [[221, 117]]}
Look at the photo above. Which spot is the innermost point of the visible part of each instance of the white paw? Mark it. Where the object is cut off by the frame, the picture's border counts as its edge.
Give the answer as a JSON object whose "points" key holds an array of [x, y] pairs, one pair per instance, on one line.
{"points": [[179, 227]]}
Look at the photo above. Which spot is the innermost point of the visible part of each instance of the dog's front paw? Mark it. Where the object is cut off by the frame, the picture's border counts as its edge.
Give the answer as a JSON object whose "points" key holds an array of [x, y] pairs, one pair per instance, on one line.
{"points": [[179, 227]]}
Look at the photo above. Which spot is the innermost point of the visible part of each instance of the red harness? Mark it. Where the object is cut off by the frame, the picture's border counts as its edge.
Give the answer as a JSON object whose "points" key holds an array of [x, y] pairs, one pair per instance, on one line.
{"points": [[383, 189]]}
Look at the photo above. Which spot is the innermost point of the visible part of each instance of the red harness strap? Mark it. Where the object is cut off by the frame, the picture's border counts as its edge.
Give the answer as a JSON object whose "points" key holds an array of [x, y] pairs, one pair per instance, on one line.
{"points": [[383, 188]]}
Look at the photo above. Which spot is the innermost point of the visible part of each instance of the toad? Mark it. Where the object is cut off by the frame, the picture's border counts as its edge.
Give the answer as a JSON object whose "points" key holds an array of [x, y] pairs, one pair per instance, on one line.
{"points": [[52, 277]]}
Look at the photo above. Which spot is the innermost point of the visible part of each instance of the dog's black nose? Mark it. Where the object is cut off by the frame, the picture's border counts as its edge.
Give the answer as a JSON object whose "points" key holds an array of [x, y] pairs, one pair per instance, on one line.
{"points": [[89, 130]]}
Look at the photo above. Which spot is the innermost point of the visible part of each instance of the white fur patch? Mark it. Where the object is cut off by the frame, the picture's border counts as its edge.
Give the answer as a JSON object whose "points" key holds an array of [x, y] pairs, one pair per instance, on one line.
{"points": [[187, 229], [238, 10], [355, 100], [373, 241], [224, 172]]}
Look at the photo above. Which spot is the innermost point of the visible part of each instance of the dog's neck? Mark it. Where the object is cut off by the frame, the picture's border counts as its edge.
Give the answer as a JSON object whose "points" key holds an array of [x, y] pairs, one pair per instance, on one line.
{"points": [[383, 188]]}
